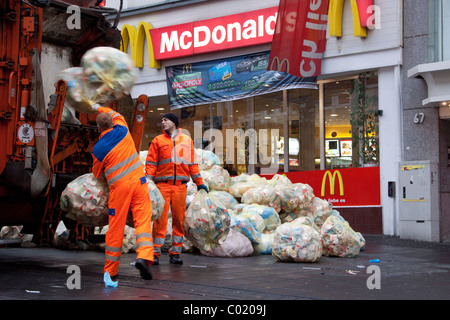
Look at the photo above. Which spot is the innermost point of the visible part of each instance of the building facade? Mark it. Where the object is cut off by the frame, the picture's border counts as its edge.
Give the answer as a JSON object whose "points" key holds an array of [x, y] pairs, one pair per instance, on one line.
{"points": [[344, 135]]}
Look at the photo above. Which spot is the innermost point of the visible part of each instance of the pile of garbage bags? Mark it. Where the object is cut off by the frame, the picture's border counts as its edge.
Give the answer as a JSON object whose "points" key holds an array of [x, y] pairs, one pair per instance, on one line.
{"points": [[240, 216], [278, 217]]}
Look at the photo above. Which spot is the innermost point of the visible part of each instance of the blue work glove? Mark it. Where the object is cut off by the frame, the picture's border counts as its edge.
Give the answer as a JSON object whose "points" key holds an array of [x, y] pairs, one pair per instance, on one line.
{"points": [[202, 186]]}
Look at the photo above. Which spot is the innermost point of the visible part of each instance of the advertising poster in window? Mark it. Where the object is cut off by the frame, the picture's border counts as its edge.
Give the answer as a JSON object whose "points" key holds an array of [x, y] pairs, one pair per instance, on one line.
{"points": [[346, 147], [227, 79], [332, 148]]}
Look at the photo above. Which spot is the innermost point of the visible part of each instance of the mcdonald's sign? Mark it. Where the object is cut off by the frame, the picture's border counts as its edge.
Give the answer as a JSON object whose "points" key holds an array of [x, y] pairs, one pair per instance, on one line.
{"points": [[349, 187], [332, 181], [360, 12], [276, 64], [136, 38]]}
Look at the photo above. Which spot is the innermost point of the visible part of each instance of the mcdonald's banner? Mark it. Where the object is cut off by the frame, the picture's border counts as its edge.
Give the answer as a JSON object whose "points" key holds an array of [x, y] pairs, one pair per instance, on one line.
{"points": [[227, 79], [351, 187], [300, 37]]}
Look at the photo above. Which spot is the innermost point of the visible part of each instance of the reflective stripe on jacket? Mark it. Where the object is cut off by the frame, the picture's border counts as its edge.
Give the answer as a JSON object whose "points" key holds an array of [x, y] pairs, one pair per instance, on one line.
{"points": [[172, 159], [115, 153]]}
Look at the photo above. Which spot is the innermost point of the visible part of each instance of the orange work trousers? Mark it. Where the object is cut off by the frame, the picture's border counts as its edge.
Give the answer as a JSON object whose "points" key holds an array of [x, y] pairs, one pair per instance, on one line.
{"points": [[131, 194], [175, 198]]}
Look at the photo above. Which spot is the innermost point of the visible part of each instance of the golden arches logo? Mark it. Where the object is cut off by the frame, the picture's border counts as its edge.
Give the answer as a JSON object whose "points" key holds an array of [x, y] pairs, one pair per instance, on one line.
{"points": [[279, 64], [335, 13], [187, 68], [332, 179], [136, 38]]}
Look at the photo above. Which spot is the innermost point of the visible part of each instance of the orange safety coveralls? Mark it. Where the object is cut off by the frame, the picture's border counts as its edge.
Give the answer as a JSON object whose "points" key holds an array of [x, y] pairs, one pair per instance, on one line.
{"points": [[116, 158], [170, 162]]}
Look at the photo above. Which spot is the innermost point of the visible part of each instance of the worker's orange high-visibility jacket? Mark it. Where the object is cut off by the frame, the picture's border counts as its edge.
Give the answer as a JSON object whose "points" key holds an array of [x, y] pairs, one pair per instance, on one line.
{"points": [[115, 157], [172, 159], [170, 162]]}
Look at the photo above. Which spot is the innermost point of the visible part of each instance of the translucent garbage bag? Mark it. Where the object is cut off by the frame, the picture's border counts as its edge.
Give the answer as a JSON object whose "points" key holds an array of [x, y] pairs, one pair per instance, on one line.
{"points": [[227, 199], [271, 219], [106, 74], [109, 74], [279, 180], [307, 220], [235, 245], [295, 197], [129, 238], [244, 182], [339, 239], [266, 243], [296, 242], [157, 200], [86, 200], [246, 227], [76, 97], [207, 222], [206, 159], [263, 194], [216, 178], [319, 210]]}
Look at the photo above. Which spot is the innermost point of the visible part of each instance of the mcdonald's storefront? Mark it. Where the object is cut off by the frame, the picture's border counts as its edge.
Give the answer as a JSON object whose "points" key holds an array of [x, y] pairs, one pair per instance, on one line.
{"points": [[207, 61]]}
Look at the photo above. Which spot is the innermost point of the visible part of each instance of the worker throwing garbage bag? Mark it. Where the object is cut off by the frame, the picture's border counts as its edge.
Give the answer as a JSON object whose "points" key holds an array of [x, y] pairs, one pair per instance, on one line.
{"points": [[170, 163], [115, 157]]}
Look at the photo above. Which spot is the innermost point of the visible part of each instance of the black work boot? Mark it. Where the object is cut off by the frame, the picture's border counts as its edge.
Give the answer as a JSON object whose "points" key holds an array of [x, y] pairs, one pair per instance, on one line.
{"points": [[155, 260], [144, 268], [175, 259]]}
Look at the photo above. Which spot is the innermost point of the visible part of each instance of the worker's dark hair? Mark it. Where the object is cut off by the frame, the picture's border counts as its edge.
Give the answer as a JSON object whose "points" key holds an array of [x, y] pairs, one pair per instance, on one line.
{"points": [[104, 122]]}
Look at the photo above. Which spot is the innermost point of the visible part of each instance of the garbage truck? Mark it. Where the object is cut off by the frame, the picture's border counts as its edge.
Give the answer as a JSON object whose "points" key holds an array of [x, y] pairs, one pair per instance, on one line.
{"points": [[44, 144]]}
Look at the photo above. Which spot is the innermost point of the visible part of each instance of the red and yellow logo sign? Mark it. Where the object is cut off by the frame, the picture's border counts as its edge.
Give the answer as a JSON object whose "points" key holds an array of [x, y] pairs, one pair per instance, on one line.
{"points": [[332, 181], [360, 16]]}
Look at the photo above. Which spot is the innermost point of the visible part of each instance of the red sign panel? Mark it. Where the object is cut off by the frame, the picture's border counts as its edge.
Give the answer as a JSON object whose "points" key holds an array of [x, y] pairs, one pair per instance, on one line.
{"points": [[224, 33], [300, 38], [353, 187]]}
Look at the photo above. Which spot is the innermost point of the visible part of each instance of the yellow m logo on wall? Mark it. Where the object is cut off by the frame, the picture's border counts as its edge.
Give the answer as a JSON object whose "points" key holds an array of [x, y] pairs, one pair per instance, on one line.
{"points": [[331, 181], [335, 13], [136, 37]]}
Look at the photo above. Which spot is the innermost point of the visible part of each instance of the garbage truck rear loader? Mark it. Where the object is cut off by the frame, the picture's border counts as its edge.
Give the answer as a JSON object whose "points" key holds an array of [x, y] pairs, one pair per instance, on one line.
{"points": [[44, 144]]}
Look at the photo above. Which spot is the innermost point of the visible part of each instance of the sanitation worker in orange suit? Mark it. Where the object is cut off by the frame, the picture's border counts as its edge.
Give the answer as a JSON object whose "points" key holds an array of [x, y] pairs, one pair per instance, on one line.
{"points": [[170, 162], [116, 158]]}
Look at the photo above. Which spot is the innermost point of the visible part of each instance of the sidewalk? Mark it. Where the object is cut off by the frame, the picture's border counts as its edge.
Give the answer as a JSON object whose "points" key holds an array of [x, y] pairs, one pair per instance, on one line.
{"points": [[407, 269]]}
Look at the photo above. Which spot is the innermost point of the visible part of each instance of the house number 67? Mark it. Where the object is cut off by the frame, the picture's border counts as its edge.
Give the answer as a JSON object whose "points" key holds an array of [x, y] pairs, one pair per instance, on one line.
{"points": [[418, 117]]}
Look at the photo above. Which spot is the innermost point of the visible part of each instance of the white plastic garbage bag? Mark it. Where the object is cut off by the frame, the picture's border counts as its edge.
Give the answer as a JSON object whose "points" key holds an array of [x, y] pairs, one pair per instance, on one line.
{"points": [[227, 199], [263, 194], [86, 200], [207, 222], [269, 217], [339, 239], [295, 197], [109, 74], [279, 180], [246, 227], [157, 200], [235, 245], [266, 244], [206, 159], [296, 242], [319, 210], [242, 183], [216, 178]]}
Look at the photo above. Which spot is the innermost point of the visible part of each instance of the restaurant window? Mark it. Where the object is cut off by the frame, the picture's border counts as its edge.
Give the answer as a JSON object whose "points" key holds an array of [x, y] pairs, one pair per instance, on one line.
{"points": [[350, 128], [351, 122], [438, 30], [304, 130]]}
